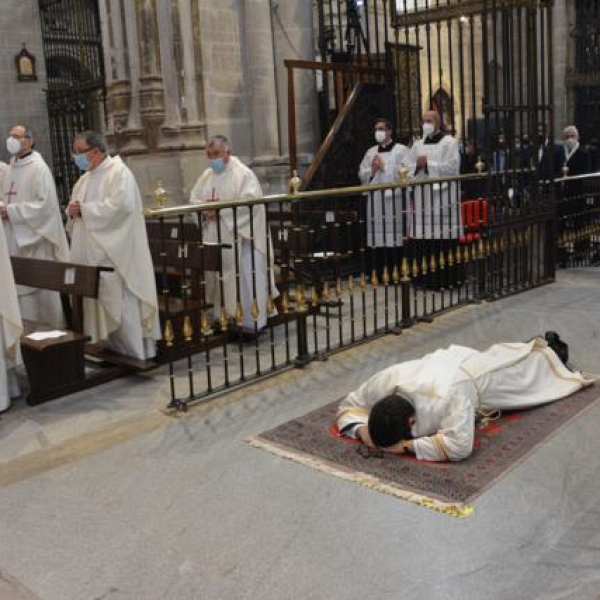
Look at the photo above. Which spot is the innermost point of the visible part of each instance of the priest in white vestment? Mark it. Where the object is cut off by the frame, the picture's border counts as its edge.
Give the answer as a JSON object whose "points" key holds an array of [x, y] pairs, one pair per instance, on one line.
{"points": [[428, 406], [32, 222], [250, 252], [436, 207], [107, 228], [10, 329], [381, 164]]}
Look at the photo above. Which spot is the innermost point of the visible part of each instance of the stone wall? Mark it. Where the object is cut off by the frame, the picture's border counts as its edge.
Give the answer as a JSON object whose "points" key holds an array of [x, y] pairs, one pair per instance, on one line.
{"points": [[22, 100]]}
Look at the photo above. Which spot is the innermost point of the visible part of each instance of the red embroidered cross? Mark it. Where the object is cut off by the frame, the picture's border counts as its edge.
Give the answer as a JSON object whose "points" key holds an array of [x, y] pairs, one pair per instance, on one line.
{"points": [[12, 191]]}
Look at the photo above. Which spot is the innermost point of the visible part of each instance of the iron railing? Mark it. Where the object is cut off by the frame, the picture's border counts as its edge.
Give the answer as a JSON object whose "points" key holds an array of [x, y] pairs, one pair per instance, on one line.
{"points": [[344, 276]]}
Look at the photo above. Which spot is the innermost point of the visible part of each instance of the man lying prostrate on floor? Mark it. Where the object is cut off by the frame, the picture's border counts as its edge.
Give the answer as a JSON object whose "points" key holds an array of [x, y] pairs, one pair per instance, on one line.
{"points": [[427, 407]]}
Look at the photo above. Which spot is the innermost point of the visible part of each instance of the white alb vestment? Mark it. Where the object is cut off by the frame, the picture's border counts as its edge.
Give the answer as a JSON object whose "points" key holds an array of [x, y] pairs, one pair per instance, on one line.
{"points": [[10, 328], [385, 208], [34, 229], [111, 232], [435, 212], [448, 387], [252, 244]]}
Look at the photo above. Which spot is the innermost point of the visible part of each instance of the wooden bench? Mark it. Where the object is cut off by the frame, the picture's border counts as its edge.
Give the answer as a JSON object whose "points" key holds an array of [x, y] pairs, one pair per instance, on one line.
{"points": [[56, 366]]}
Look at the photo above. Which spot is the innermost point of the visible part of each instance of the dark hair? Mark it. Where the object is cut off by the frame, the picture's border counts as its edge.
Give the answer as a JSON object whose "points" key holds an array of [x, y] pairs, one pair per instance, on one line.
{"points": [[386, 122], [93, 139], [388, 420]]}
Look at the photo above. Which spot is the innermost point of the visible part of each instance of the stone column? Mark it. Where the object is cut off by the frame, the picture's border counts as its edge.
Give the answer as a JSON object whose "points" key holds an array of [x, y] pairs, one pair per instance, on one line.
{"points": [[152, 100], [117, 84], [169, 69], [260, 64], [292, 26], [190, 106]]}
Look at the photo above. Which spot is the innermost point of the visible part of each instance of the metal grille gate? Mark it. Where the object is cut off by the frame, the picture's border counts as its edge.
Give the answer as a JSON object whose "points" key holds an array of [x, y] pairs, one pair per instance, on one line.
{"points": [[74, 64]]}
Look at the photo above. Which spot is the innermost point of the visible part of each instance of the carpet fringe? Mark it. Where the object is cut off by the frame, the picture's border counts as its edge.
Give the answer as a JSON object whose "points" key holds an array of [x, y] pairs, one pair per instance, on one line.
{"points": [[458, 510]]}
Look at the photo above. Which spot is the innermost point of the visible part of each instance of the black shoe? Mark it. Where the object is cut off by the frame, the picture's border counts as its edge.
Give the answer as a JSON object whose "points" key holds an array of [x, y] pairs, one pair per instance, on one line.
{"points": [[561, 348]]}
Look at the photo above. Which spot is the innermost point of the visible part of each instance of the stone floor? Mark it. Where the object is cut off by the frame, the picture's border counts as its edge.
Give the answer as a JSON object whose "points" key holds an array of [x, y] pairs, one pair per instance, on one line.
{"points": [[104, 495]]}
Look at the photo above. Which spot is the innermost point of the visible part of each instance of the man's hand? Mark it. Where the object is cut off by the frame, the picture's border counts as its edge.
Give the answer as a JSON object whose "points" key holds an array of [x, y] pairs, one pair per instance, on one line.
{"points": [[364, 437], [377, 164], [74, 209], [421, 163], [4, 213]]}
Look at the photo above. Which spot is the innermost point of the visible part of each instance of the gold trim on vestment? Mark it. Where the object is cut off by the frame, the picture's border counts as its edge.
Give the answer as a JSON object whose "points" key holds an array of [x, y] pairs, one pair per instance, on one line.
{"points": [[440, 447]]}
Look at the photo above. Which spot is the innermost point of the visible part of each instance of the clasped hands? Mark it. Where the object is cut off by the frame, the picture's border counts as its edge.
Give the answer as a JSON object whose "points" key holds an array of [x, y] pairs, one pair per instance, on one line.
{"points": [[74, 209]]}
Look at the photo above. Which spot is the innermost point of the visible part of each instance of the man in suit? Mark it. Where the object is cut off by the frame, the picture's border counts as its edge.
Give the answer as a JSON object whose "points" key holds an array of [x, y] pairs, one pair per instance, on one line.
{"points": [[572, 202], [550, 156]]}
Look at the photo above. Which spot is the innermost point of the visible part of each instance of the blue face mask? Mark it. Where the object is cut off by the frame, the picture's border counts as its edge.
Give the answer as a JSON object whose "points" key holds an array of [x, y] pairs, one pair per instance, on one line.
{"points": [[82, 161], [217, 165]]}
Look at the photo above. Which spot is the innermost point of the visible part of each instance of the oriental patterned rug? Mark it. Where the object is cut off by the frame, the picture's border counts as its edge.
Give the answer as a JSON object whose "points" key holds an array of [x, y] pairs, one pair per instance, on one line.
{"points": [[314, 440]]}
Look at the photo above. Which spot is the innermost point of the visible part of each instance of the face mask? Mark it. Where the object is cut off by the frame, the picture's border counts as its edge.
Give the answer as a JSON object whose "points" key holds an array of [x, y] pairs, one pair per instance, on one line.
{"points": [[428, 129], [570, 144], [217, 165], [13, 145], [82, 161], [380, 136]]}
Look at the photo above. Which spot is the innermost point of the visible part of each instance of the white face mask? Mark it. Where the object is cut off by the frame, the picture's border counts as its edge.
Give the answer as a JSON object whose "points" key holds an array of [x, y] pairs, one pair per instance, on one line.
{"points": [[428, 129], [380, 136], [13, 145]]}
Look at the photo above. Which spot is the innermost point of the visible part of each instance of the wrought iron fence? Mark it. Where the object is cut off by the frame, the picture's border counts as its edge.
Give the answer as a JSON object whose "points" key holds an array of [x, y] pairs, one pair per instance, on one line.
{"points": [[250, 288]]}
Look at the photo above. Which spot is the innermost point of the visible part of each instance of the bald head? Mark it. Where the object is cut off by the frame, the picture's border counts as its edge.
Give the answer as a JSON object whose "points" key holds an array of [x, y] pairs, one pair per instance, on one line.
{"points": [[432, 117], [571, 132]]}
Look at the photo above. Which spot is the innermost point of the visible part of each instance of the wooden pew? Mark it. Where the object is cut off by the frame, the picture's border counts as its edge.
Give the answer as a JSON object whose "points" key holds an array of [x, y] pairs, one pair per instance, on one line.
{"points": [[56, 366]]}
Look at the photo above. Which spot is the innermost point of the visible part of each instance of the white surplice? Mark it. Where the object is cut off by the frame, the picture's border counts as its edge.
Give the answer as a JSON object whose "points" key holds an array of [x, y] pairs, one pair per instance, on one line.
{"points": [[111, 232], [34, 229], [385, 208], [252, 243], [11, 328], [435, 210], [448, 387]]}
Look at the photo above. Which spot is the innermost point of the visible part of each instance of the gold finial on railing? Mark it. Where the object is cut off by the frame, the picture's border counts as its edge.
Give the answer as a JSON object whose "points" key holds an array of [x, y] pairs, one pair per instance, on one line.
{"points": [[403, 174], [432, 263], [565, 171], [168, 335], [338, 288], [363, 282], [374, 278], [424, 265], [254, 311], [396, 275], [479, 165], [187, 329], [450, 258], [239, 314], [205, 328], [385, 276], [285, 303], [325, 292], [295, 182], [466, 254], [415, 268], [405, 269], [351, 285], [458, 255], [314, 297], [224, 320], [301, 305], [270, 306], [160, 195]]}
